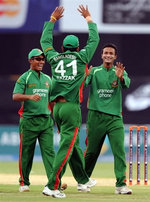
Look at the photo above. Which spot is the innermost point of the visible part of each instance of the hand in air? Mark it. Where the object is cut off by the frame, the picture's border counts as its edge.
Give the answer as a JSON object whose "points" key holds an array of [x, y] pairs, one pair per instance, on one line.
{"points": [[84, 11], [58, 12]]}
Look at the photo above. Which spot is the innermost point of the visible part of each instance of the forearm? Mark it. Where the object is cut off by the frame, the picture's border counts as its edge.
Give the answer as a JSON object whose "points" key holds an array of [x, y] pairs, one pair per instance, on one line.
{"points": [[20, 97], [47, 38], [23, 97], [126, 81], [92, 43], [93, 34]]}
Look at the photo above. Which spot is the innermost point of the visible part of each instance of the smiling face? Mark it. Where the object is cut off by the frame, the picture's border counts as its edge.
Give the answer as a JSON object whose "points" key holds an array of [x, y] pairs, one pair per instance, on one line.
{"points": [[108, 56], [37, 63]]}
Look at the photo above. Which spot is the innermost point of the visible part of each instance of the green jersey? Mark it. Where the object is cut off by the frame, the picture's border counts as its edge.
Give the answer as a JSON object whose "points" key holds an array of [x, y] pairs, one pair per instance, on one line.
{"points": [[29, 83], [68, 68], [105, 90]]}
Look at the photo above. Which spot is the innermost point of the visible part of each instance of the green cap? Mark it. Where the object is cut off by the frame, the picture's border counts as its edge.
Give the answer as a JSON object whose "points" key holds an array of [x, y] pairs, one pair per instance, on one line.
{"points": [[35, 52], [71, 41]]}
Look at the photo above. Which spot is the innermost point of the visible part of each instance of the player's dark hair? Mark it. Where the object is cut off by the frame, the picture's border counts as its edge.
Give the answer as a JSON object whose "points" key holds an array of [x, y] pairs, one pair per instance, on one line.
{"points": [[70, 49], [110, 45]]}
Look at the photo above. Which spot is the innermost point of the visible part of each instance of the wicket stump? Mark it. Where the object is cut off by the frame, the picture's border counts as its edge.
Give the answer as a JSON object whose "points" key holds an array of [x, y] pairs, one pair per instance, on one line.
{"points": [[138, 130]]}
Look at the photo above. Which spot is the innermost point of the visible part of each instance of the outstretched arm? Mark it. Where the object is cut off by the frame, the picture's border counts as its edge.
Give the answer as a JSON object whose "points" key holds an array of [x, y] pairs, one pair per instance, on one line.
{"points": [[85, 13]]}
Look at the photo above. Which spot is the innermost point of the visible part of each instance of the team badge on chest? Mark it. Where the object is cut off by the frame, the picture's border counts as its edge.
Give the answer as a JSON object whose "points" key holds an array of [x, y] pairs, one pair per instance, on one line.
{"points": [[46, 84], [115, 83]]}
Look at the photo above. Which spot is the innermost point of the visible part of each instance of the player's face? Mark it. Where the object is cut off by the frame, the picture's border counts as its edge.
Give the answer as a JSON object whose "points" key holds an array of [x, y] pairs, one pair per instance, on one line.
{"points": [[108, 55], [37, 63]]}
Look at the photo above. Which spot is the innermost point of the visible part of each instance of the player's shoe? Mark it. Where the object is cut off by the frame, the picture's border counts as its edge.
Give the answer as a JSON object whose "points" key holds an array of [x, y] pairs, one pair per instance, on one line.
{"points": [[83, 188], [91, 183], [53, 193], [123, 190], [24, 188], [63, 187], [86, 187]]}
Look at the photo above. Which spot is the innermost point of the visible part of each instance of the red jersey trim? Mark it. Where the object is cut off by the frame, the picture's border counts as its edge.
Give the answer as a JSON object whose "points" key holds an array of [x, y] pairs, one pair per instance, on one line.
{"points": [[20, 112], [82, 85], [86, 142], [65, 159], [49, 107]]}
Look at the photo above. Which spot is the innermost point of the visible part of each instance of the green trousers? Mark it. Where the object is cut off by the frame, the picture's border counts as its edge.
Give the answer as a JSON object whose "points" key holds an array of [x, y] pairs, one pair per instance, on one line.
{"points": [[68, 118], [33, 129], [98, 126]]}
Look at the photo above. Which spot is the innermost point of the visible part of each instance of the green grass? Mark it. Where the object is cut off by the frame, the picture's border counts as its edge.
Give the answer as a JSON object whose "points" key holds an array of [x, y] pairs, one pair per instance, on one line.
{"points": [[9, 193], [104, 170]]}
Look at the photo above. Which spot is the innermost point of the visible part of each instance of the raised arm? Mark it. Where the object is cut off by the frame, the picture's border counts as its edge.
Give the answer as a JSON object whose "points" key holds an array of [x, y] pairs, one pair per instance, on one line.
{"points": [[47, 36], [93, 39]]}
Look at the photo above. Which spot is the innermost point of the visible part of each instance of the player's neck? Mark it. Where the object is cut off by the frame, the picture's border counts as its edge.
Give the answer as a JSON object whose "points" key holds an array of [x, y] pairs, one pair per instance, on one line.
{"points": [[107, 65]]}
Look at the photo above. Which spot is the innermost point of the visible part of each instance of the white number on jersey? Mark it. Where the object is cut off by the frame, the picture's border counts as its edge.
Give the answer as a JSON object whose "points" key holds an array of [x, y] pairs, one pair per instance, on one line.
{"points": [[60, 67]]}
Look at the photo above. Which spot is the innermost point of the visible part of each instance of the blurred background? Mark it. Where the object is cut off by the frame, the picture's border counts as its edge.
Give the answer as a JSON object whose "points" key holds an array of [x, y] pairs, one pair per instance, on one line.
{"points": [[125, 23]]}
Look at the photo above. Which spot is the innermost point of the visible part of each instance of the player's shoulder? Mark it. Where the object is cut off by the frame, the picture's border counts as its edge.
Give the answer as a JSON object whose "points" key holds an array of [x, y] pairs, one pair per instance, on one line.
{"points": [[46, 76], [24, 75], [22, 78], [97, 69]]}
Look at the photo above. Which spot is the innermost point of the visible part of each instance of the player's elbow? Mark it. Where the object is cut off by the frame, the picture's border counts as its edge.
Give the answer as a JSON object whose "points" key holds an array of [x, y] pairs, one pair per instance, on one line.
{"points": [[14, 97]]}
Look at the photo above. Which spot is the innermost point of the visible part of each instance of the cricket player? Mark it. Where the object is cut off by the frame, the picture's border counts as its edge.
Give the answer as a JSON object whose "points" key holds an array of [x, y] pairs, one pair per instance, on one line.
{"points": [[105, 114], [68, 71], [33, 89]]}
